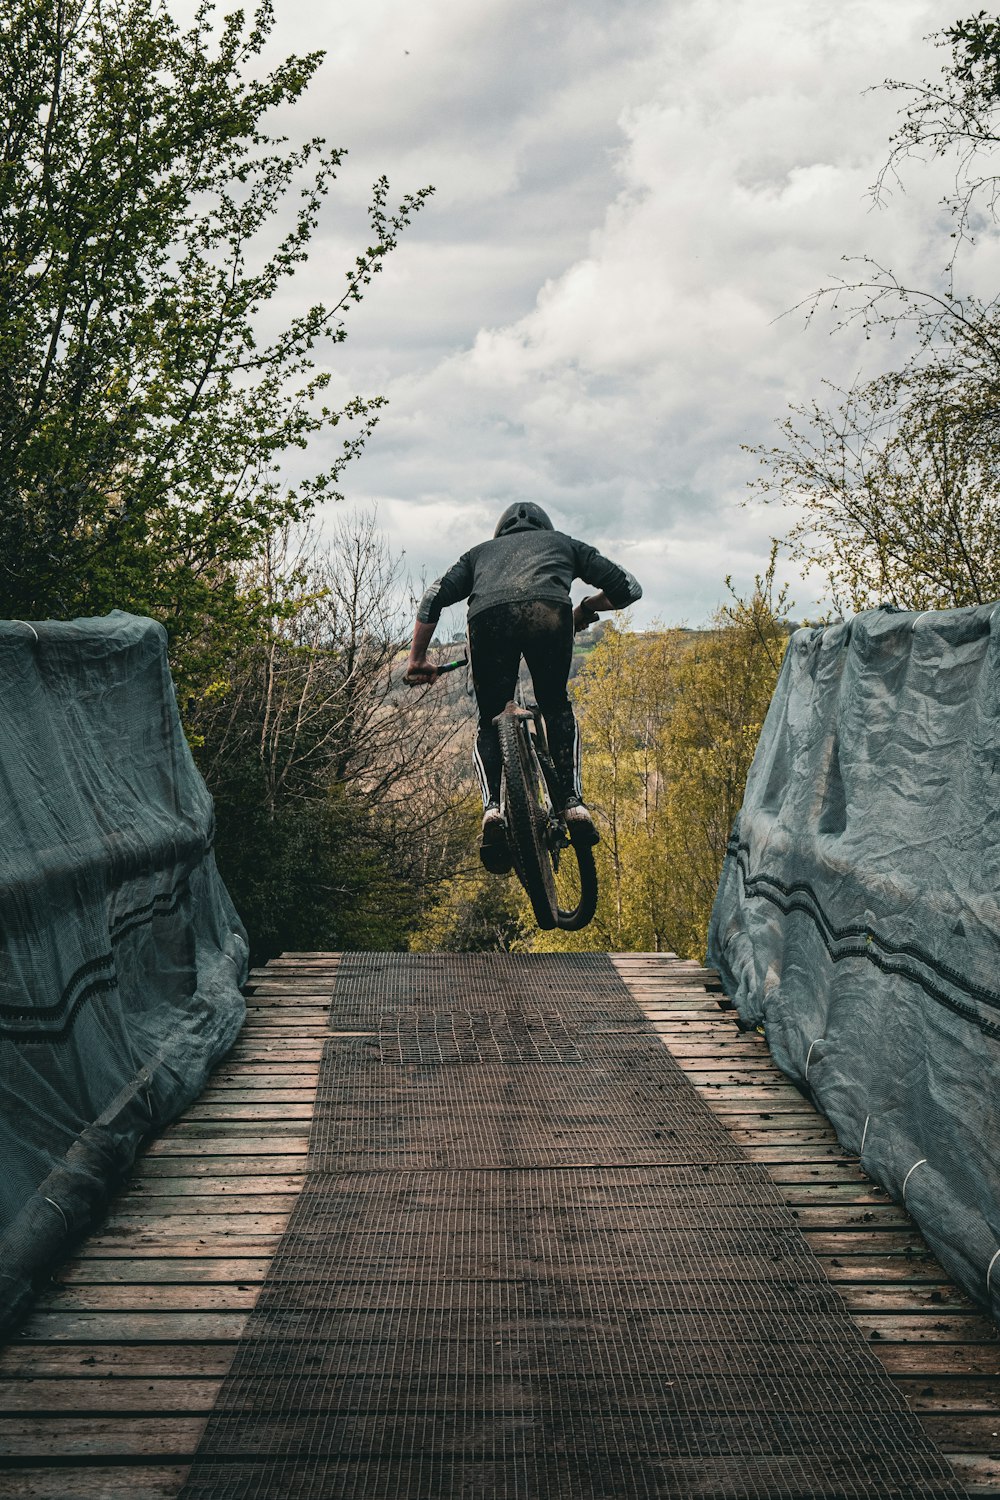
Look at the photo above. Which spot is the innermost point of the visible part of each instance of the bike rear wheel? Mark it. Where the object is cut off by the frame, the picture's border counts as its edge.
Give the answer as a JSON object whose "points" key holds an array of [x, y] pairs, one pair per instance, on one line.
{"points": [[560, 879]]}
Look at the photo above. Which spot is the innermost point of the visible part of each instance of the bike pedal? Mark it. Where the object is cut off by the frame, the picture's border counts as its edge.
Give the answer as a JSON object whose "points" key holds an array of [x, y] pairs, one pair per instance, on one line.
{"points": [[583, 833], [493, 851], [495, 859]]}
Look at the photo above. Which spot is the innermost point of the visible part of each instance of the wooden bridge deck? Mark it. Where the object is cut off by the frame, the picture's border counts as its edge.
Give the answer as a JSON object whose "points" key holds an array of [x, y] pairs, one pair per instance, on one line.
{"points": [[107, 1389]]}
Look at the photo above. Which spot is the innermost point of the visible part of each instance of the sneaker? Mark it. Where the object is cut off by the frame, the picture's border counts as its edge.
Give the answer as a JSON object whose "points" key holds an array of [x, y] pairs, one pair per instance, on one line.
{"points": [[579, 823], [493, 851]]}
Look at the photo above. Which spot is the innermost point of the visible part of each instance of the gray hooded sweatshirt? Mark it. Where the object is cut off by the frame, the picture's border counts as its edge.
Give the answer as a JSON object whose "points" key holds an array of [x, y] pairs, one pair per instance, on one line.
{"points": [[527, 562]]}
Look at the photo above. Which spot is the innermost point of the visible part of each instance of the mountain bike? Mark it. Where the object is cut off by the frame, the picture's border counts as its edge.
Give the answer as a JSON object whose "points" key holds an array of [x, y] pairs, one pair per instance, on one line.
{"points": [[558, 874]]}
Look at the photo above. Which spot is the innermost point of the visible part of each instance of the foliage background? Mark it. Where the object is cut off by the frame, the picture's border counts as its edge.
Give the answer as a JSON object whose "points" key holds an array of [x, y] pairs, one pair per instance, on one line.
{"points": [[156, 376]]}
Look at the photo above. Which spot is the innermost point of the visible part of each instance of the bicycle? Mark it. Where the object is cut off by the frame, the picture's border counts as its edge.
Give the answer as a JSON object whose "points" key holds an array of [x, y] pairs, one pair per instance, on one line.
{"points": [[558, 874]]}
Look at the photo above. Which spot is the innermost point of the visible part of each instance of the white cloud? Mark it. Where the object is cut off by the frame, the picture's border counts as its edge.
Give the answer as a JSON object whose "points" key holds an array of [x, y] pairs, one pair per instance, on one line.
{"points": [[588, 313]]}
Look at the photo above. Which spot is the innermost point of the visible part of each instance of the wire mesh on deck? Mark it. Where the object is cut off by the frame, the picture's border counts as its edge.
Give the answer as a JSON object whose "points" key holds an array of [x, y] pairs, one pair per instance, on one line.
{"points": [[597, 1297], [483, 1036], [582, 985]]}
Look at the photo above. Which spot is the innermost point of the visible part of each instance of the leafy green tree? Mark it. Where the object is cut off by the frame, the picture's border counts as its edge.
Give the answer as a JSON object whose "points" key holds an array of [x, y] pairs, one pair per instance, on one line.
{"points": [[723, 688], [471, 911], [623, 695], [670, 722], [143, 410]]}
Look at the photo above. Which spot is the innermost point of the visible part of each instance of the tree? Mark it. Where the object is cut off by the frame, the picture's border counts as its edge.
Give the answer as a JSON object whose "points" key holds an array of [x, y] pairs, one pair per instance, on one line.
{"points": [[898, 480], [623, 695], [336, 788], [144, 413], [723, 688], [897, 490], [471, 911], [955, 116], [670, 722]]}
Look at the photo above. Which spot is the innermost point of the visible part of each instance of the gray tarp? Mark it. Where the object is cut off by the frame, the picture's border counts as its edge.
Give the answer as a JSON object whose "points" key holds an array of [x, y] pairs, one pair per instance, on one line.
{"points": [[121, 955], [857, 915]]}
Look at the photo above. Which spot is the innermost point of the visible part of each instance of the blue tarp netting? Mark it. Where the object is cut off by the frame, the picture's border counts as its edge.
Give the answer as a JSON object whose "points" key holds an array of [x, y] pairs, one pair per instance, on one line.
{"points": [[857, 915], [121, 957]]}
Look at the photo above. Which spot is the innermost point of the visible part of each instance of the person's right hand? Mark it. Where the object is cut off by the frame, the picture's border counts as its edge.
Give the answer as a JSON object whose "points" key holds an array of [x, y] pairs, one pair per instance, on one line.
{"points": [[419, 673]]}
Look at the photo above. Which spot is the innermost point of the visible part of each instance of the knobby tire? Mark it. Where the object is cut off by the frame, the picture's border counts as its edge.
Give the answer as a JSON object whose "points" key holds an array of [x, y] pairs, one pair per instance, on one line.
{"points": [[527, 819]]}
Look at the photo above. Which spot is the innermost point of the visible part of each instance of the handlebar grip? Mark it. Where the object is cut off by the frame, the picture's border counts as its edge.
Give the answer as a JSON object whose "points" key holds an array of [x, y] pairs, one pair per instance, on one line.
{"points": [[450, 666]]}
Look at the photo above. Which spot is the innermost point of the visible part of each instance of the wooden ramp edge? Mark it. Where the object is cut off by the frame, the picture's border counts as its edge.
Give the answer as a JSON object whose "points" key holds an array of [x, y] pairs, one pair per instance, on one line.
{"points": [[107, 1390]]}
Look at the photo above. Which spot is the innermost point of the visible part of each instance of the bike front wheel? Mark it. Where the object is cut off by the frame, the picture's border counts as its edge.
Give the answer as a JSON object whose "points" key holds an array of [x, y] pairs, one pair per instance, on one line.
{"points": [[560, 878]]}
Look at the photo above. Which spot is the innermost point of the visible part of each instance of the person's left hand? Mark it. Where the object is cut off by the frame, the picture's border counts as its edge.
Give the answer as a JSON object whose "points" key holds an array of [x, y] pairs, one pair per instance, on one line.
{"points": [[585, 614]]}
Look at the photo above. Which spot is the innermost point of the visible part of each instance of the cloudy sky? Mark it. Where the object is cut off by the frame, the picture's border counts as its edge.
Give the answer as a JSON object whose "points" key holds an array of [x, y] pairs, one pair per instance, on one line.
{"points": [[629, 195]]}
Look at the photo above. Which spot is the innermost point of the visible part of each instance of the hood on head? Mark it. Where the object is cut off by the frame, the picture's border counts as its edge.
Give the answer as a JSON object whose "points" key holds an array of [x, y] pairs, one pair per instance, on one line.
{"points": [[524, 515]]}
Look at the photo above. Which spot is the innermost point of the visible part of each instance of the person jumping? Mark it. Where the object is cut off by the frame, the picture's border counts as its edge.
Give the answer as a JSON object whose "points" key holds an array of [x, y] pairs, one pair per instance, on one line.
{"points": [[517, 585]]}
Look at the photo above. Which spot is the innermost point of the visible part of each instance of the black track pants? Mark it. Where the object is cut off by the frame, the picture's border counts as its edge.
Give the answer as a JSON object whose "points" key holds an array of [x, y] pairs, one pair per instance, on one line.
{"points": [[543, 634]]}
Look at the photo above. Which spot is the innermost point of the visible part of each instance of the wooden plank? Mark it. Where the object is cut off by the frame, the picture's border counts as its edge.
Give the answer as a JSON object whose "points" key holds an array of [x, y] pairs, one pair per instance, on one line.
{"points": [[879, 1218], [853, 1270], [161, 1169], [925, 1296], [758, 1103], [129, 1296], [93, 1270], [131, 1482], [93, 1361], [963, 1432], [707, 1057], [833, 1194], [267, 1020], [932, 1359], [156, 1185], [233, 1131], [261, 1083], [237, 1109], [139, 1204], [144, 1228], [158, 1246], [974, 1394], [940, 1327], [979, 1474], [169, 1437], [276, 1100], [177, 1145], [47, 1395], [139, 1327]]}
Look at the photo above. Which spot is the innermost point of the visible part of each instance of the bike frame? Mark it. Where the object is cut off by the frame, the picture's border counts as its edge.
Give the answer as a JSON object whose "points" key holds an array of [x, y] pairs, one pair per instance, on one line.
{"points": [[538, 838], [534, 728]]}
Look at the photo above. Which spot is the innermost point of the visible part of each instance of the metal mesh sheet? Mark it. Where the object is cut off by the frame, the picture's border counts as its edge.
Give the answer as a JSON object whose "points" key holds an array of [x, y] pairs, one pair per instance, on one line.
{"points": [[582, 985], [544, 1273], [608, 1111], [479, 1036]]}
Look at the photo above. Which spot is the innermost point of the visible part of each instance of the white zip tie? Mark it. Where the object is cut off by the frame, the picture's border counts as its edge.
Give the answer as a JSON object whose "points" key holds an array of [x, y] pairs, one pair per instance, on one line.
{"points": [[59, 1211], [810, 1052], [864, 1137], [990, 1268], [916, 1164], [30, 627]]}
